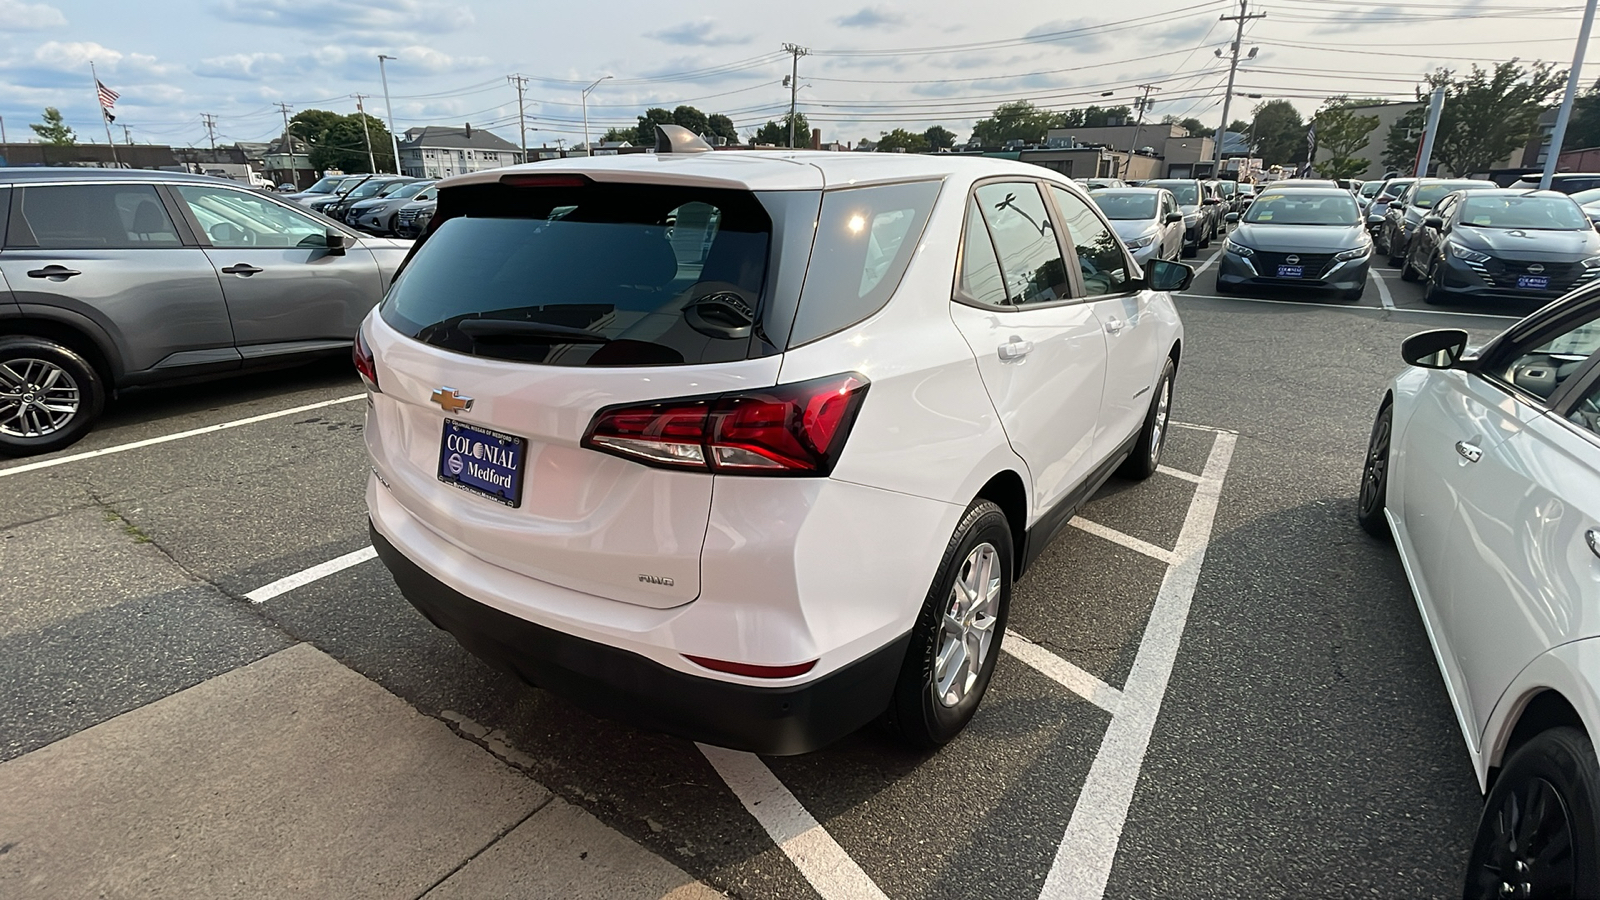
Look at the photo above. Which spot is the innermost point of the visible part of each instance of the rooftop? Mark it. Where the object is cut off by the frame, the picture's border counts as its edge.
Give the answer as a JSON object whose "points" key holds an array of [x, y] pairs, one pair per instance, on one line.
{"points": [[467, 138]]}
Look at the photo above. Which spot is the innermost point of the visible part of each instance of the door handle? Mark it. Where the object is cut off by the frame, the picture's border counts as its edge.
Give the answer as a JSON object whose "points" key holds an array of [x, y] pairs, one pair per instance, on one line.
{"points": [[1593, 540], [241, 269], [1114, 325], [53, 271], [1015, 349], [1469, 452]]}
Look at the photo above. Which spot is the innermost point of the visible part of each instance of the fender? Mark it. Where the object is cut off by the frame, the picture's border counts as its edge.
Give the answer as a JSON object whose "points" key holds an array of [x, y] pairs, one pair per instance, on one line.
{"points": [[1571, 670], [75, 321]]}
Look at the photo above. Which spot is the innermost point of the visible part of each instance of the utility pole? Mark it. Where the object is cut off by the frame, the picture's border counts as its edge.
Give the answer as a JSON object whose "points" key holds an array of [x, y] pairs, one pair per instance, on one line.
{"points": [[520, 82], [588, 148], [1559, 135], [127, 135], [796, 51], [3, 130], [211, 128], [388, 112], [1233, 69], [1142, 103], [366, 133]]}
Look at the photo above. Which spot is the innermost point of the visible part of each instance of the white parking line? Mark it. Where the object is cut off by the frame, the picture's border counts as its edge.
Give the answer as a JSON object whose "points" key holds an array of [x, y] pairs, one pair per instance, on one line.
{"points": [[1126, 540], [1066, 674], [1351, 308], [831, 871], [1383, 289], [1207, 264], [151, 442], [315, 573], [1193, 427], [1179, 473], [1083, 860]]}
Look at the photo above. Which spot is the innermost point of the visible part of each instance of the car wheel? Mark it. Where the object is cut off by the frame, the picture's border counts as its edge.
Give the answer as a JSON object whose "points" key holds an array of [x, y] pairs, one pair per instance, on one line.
{"points": [[1431, 294], [1406, 272], [1146, 455], [1374, 494], [1540, 831], [1205, 240], [1380, 241], [49, 396], [1189, 252], [956, 640]]}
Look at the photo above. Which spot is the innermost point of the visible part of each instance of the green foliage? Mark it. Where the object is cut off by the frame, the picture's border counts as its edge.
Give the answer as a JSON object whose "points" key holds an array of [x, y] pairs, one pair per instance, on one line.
{"points": [[645, 134], [939, 138], [1491, 113], [619, 134], [722, 126], [1583, 129], [1280, 134], [1195, 127], [1239, 126], [777, 133], [901, 139], [1342, 134], [52, 130], [1015, 121], [692, 119], [338, 141], [1092, 117], [1400, 145]]}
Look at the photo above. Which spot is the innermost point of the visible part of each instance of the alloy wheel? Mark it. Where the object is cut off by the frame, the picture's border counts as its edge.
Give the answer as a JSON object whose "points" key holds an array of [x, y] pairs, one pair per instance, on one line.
{"points": [[1158, 428], [37, 397], [1532, 853], [968, 628], [1376, 469]]}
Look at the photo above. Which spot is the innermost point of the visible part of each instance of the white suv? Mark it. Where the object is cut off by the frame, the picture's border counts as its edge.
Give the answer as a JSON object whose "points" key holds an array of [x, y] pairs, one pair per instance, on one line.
{"points": [[748, 447]]}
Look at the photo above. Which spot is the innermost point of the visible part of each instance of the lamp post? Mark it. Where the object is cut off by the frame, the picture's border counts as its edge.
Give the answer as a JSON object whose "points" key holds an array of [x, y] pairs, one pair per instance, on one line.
{"points": [[394, 141], [588, 149]]}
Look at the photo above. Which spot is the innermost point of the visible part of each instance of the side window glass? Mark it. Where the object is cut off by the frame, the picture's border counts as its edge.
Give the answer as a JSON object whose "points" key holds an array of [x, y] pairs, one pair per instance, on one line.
{"points": [[238, 220], [92, 217], [980, 268], [1541, 369], [1030, 258], [1100, 256]]}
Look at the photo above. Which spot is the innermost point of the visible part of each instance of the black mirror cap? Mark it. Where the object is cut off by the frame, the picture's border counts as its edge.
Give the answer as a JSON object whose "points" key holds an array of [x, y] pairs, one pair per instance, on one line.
{"points": [[1230, 218], [336, 242], [1434, 222], [1173, 217], [1166, 275], [678, 139], [1438, 349]]}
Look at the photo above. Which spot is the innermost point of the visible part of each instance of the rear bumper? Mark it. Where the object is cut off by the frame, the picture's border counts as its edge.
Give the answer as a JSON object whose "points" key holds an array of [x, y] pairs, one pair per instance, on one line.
{"points": [[622, 685]]}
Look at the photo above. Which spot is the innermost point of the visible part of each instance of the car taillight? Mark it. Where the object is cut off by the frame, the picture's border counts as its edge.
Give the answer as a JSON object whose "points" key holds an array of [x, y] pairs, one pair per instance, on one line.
{"points": [[792, 429], [361, 354]]}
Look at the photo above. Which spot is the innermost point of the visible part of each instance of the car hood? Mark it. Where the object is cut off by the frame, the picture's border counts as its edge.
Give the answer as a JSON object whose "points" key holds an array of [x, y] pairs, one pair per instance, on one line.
{"points": [[1299, 238], [1552, 246], [1129, 229], [1189, 209]]}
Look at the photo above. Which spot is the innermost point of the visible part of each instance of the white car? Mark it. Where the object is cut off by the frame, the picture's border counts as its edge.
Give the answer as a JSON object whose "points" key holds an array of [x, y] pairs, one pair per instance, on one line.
{"points": [[748, 447], [1485, 468]]}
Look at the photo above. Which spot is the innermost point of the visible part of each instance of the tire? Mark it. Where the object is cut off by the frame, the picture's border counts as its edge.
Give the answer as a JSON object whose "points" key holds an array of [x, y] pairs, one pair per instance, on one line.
{"points": [[26, 425], [1539, 835], [1374, 495], [924, 718], [1146, 455], [1406, 272], [1380, 241], [1431, 294], [1188, 252]]}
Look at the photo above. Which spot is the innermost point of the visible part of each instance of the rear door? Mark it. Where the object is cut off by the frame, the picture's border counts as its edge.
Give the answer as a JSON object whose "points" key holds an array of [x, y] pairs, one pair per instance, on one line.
{"points": [[1041, 352], [286, 291]]}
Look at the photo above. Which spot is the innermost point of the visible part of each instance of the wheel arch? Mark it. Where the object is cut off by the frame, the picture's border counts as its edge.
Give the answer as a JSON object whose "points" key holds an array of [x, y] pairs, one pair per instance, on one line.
{"points": [[1558, 688], [81, 337], [1007, 491]]}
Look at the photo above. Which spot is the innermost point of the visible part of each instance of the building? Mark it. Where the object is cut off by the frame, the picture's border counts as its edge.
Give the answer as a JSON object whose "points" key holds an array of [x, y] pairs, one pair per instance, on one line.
{"points": [[289, 163], [435, 152], [1180, 154], [1388, 114]]}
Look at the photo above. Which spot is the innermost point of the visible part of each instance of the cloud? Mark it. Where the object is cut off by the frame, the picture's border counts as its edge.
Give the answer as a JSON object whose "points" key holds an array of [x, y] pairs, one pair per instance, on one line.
{"points": [[73, 57], [1080, 43], [872, 17], [18, 16], [699, 33], [359, 15], [342, 61]]}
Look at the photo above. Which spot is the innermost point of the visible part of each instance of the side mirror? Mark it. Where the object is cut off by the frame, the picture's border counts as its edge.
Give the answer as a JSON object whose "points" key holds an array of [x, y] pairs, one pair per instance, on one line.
{"points": [[1166, 275], [1173, 218], [1440, 349], [1231, 218], [1433, 222], [336, 242], [1212, 201]]}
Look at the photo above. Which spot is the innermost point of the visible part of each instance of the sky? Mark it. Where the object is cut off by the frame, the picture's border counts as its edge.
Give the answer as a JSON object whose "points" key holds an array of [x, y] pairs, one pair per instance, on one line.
{"points": [[870, 68]]}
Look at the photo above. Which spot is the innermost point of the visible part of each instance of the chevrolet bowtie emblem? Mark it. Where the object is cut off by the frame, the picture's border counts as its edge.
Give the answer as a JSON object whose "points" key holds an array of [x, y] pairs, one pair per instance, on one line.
{"points": [[451, 400]]}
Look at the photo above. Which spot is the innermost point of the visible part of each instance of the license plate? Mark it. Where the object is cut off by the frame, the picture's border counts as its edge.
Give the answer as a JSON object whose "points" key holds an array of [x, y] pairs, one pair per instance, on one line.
{"points": [[483, 462], [1291, 271], [1534, 282]]}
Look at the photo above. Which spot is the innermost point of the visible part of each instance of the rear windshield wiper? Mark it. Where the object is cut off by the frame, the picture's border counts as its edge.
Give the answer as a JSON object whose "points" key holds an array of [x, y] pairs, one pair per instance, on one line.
{"points": [[518, 330]]}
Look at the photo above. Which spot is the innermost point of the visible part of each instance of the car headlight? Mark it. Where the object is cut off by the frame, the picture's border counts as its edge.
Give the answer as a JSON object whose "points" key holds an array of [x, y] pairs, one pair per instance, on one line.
{"points": [[1460, 252], [1141, 243], [1237, 249], [1358, 253], [1592, 262]]}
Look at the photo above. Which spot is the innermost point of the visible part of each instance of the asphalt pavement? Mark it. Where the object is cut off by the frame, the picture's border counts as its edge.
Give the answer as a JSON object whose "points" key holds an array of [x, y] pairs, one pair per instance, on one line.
{"points": [[1217, 684]]}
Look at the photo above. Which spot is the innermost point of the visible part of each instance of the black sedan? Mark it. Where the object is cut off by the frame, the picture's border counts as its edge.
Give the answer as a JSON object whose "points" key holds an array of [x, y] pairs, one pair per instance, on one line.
{"points": [[1504, 245]]}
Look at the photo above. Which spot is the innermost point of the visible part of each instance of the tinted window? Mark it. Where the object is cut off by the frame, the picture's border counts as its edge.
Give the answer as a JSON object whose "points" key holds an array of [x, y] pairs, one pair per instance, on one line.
{"points": [[90, 217], [1543, 368], [1030, 259], [1100, 256], [1536, 213], [240, 219], [1303, 208], [980, 268], [1126, 206], [865, 238], [612, 274], [1186, 192], [1425, 196]]}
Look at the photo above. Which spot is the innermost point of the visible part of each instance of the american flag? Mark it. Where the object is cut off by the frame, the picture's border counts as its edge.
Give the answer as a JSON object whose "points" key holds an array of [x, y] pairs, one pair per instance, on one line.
{"points": [[108, 97]]}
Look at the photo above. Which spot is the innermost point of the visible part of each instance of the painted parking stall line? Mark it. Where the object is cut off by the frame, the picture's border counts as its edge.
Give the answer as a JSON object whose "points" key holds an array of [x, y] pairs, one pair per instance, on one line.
{"points": [[1382, 284], [1069, 676], [1160, 554], [315, 573]]}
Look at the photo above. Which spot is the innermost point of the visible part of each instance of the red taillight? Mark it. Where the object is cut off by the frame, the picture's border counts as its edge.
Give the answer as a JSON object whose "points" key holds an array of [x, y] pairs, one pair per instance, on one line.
{"points": [[361, 354], [750, 669], [792, 429], [539, 179]]}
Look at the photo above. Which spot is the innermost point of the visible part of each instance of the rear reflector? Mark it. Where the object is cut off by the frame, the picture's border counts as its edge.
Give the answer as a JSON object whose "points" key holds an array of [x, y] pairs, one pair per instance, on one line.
{"points": [[361, 355], [751, 670]]}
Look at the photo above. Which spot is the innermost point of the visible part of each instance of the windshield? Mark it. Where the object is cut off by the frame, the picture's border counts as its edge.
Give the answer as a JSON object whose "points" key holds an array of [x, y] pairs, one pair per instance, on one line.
{"points": [[326, 185], [1227, 188], [412, 189], [1187, 192], [428, 193], [368, 188], [1125, 206], [1304, 208], [1397, 187], [392, 188], [1534, 213], [1371, 188], [1427, 195]]}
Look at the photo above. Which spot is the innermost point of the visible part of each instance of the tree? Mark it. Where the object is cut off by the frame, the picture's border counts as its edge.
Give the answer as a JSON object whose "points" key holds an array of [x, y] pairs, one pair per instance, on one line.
{"points": [[339, 142], [1195, 127], [645, 134], [618, 135], [1015, 121], [692, 119], [1342, 134], [1239, 126], [52, 130], [777, 133], [901, 139], [1583, 129], [722, 126], [1280, 133], [1400, 145], [1491, 113], [939, 138]]}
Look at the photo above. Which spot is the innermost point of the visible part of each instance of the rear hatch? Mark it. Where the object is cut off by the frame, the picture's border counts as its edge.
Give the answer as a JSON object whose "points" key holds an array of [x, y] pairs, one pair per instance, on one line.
{"points": [[531, 306]]}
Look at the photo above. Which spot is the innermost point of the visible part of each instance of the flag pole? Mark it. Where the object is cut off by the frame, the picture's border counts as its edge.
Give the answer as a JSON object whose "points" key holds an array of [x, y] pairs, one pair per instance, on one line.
{"points": [[115, 162]]}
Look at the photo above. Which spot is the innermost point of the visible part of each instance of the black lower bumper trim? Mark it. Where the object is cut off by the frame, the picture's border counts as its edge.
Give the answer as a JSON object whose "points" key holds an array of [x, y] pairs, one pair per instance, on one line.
{"points": [[622, 685]]}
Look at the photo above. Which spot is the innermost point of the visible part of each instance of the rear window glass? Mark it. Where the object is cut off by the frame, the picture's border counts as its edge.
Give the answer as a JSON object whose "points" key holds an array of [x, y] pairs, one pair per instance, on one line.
{"points": [[91, 217], [600, 275]]}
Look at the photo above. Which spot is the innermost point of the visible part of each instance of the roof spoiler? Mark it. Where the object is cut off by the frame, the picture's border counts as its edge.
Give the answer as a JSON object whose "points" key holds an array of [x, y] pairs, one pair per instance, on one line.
{"points": [[678, 139]]}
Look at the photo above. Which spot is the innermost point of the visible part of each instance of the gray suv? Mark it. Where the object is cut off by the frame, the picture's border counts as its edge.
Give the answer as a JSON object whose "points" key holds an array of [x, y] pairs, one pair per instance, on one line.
{"points": [[111, 279]]}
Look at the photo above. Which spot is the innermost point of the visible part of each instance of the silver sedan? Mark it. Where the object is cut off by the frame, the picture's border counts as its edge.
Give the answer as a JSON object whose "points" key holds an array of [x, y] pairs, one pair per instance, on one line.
{"points": [[1148, 220]]}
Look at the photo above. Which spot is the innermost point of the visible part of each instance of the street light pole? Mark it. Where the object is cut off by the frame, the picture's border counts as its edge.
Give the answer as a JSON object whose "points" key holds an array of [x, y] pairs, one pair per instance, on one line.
{"points": [[388, 111], [1559, 135], [1138, 126], [366, 134], [1233, 69], [588, 149]]}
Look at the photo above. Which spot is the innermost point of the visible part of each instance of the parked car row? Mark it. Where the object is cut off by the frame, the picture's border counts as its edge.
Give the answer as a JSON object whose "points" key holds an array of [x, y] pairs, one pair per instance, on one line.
{"points": [[1503, 245], [370, 202]]}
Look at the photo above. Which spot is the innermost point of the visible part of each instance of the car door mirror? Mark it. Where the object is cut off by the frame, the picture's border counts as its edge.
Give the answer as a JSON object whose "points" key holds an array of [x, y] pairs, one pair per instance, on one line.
{"points": [[1434, 222], [1231, 218], [336, 242], [1439, 349], [1166, 275], [1173, 218]]}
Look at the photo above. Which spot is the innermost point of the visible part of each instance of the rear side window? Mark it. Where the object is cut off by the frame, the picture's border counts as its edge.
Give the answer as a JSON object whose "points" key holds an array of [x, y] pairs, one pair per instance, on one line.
{"points": [[592, 275], [865, 238], [980, 268], [90, 217], [1025, 241], [1100, 257]]}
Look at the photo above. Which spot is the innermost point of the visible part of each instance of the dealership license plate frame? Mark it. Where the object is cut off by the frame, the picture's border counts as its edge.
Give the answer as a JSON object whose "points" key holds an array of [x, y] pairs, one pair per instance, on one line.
{"points": [[495, 445], [1533, 282], [1291, 271]]}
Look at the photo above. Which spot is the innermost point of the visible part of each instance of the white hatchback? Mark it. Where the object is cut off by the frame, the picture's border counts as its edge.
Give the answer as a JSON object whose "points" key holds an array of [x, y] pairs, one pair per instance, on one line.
{"points": [[748, 447]]}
